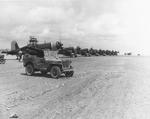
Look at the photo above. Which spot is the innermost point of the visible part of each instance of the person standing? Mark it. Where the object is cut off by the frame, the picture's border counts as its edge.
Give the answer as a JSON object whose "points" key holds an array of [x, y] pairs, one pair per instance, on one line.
{"points": [[20, 55]]}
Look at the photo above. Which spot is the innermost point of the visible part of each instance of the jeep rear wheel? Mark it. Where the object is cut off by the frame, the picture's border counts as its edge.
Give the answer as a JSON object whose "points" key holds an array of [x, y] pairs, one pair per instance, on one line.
{"points": [[29, 69], [55, 72]]}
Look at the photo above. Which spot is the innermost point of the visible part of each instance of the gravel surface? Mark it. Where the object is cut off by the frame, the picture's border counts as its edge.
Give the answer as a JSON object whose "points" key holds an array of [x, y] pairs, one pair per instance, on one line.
{"points": [[101, 88]]}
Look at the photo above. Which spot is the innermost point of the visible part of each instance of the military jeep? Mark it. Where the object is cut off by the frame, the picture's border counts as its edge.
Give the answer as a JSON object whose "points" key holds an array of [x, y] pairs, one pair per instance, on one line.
{"points": [[55, 66]]}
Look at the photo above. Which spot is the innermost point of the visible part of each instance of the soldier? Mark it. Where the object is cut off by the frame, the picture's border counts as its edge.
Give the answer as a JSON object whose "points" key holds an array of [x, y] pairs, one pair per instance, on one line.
{"points": [[20, 55]]}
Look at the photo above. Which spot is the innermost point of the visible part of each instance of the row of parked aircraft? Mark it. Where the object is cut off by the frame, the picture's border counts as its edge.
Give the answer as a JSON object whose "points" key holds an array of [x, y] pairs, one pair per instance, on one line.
{"points": [[74, 52], [67, 51]]}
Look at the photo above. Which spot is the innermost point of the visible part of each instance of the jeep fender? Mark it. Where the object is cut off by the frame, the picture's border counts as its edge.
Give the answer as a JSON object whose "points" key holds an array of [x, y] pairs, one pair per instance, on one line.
{"points": [[50, 66]]}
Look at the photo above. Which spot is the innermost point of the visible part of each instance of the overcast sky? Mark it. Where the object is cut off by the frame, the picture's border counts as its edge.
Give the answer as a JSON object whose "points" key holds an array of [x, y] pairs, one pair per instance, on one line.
{"points": [[122, 25]]}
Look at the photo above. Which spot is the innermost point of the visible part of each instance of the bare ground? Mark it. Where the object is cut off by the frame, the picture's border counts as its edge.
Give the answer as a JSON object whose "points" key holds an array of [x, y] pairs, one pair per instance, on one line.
{"points": [[101, 88]]}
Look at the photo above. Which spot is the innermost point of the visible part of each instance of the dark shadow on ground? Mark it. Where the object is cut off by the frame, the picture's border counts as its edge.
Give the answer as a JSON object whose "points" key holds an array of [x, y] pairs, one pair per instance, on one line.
{"points": [[41, 75]]}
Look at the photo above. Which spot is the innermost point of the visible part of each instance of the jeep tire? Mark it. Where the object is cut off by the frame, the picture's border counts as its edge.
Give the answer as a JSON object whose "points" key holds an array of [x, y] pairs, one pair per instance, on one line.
{"points": [[29, 69], [55, 72]]}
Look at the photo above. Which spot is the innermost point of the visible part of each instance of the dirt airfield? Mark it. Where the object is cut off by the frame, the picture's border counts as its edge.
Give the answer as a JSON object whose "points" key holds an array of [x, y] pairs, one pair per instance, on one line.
{"points": [[101, 88]]}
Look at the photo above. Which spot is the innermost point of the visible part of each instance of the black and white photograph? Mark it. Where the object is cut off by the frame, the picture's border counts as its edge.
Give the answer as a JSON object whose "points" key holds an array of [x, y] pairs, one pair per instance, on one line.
{"points": [[74, 59]]}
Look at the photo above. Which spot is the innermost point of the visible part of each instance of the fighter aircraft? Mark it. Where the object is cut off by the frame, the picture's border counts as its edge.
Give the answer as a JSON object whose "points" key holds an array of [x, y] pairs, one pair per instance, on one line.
{"points": [[68, 51], [33, 43], [15, 49], [94, 52], [85, 52]]}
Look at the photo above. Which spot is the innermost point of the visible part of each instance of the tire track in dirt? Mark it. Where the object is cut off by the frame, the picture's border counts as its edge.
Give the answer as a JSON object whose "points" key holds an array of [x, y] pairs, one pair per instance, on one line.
{"points": [[21, 96], [39, 99], [75, 85], [68, 91], [51, 92]]}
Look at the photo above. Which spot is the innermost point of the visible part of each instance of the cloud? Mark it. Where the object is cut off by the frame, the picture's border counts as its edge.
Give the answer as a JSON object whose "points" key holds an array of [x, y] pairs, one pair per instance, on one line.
{"points": [[47, 15], [134, 17], [86, 23]]}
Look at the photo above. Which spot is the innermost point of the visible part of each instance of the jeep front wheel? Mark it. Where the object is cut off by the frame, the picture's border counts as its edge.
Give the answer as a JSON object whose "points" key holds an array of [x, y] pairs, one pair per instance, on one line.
{"points": [[55, 72], [29, 69]]}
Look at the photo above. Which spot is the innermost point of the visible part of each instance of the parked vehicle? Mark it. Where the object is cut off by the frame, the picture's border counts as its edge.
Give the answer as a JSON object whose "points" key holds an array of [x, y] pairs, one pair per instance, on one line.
{"points": [[55, 66]]}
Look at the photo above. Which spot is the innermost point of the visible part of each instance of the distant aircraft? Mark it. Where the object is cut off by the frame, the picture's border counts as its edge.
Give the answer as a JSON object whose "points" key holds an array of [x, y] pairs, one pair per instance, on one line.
{"points": [[94, 52], [68, 51], [85, 52]]}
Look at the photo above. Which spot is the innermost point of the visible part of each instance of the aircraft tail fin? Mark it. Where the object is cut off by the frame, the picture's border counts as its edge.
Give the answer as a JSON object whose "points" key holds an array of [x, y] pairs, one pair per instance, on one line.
{"points": [[14, 45]]}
